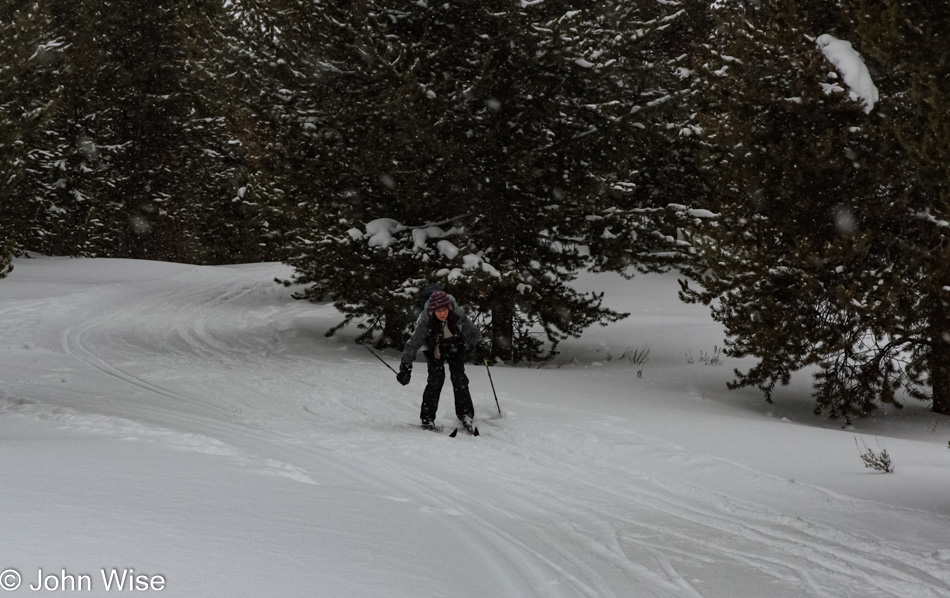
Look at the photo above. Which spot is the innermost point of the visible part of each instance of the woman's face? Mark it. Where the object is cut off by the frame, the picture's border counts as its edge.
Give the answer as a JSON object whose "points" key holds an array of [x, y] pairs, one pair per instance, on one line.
{"points": [[442, 313]]}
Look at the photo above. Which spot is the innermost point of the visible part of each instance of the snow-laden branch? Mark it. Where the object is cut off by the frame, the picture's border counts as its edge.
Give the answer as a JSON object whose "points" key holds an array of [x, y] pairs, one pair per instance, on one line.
{"points": [[57, 44], [385, 232]]}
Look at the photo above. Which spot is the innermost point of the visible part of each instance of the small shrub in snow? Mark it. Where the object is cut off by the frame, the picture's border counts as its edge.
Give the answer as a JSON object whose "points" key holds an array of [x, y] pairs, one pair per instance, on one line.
{"points": [[636, 356], [706, 357], [880, 461]]}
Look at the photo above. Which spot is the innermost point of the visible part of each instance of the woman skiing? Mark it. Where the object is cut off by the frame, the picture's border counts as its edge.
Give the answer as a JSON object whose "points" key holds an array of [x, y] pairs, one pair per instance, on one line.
{"points": [[447, 334]]}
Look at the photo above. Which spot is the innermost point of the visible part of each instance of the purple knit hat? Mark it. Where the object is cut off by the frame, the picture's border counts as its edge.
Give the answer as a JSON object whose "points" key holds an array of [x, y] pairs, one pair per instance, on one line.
{"points": [[438, 300]]}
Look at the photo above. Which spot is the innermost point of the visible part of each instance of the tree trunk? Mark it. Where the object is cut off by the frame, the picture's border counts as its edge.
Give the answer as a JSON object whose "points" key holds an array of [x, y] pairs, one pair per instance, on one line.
{"points": [[939, 362], [394, 326], [503, 328], [940, 372]]}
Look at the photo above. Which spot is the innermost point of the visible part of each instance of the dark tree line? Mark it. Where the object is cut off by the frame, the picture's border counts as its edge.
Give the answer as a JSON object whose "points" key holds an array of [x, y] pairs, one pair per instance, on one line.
{"points": [[501, 147], [117, 138]]}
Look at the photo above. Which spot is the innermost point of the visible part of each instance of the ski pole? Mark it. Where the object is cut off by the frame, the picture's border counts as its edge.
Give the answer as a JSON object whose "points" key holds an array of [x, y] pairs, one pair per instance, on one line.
{"points": [[381, 359], [492, 386]]}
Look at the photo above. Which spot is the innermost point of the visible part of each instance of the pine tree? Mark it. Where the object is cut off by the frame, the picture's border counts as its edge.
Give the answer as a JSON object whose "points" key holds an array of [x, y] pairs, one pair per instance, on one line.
{"points": [[486, 145], [113, 137], [818, 257], [35, 204], [241, 70], [907, 39]]}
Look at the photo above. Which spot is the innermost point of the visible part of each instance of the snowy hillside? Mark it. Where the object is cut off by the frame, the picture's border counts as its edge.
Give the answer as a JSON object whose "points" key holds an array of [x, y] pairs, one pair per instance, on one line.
{"points": [[192, 429]]}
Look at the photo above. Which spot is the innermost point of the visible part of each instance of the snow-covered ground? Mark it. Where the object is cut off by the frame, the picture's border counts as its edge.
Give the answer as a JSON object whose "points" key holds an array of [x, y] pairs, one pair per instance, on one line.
{"points": [[192, 427]]}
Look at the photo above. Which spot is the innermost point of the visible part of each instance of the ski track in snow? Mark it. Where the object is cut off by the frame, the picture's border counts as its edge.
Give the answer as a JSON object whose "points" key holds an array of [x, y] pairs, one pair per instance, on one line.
{"points": [[546, 508]]}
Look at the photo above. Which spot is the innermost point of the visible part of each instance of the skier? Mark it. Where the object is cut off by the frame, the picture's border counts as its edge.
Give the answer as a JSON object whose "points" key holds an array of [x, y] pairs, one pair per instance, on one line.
{"points": [[448, 335]]}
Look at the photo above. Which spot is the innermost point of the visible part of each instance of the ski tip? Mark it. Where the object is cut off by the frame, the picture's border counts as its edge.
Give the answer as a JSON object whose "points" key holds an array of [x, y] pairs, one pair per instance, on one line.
{"points": [[454, 433], [475, 433]]}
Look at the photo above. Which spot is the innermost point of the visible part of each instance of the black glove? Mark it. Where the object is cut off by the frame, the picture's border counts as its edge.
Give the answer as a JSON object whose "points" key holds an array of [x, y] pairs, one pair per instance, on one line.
{"points": [[482, 350], [405, 370]]}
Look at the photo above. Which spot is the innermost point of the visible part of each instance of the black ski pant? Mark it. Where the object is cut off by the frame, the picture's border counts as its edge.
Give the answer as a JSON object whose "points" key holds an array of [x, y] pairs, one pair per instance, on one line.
{"points": [[455, 357]]}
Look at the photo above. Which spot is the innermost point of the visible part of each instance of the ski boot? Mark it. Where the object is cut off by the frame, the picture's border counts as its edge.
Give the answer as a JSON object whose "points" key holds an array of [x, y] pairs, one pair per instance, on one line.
{"points": [[469, 425]]}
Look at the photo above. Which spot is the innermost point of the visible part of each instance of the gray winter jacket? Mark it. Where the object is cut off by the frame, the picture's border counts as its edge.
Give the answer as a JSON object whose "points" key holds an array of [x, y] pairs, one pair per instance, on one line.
{"points": [[428, 327]]}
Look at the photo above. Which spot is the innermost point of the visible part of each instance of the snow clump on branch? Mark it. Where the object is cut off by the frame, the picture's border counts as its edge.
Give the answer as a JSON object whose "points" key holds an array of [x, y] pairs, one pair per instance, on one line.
{"points": [[851, 66]]}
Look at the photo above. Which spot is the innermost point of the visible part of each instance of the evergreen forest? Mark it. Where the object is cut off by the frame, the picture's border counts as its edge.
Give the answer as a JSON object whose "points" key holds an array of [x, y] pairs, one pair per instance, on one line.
{"points": [[502, 147]]}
